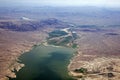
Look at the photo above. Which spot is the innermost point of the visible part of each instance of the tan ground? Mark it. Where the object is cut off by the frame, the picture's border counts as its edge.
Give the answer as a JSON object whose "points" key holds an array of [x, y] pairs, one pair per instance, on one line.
{"points": [[98, 53], [12, 45]]}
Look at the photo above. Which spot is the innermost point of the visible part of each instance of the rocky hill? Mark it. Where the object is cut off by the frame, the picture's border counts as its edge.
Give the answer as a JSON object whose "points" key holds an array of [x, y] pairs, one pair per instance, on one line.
{"points": [[24, 25]]}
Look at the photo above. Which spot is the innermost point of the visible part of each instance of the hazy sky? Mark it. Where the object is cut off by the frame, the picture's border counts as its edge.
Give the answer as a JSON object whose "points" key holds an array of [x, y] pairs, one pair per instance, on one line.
{"points": [[100, 3]]}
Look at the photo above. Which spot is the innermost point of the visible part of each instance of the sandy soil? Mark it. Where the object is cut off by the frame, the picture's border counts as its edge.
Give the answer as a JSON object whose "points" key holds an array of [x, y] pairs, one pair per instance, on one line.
{"points": [[12, 45], [98, 52]]}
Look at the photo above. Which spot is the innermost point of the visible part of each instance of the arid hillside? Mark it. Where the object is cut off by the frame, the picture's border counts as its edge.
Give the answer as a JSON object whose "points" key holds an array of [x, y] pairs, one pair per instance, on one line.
{"points": [[98, 55], [12, 45], [97, 38], [17, 37]]}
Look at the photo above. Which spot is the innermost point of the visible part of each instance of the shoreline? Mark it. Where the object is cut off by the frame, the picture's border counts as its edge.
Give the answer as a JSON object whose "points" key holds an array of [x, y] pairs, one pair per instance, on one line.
{"points": [[13, 45], [103, 62], [70, 71], [15, 65], [44, 45]]}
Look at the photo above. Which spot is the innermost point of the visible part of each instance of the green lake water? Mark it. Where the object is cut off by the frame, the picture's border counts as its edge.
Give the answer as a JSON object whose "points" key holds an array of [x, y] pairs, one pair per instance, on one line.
{"points": [[45, 63]]}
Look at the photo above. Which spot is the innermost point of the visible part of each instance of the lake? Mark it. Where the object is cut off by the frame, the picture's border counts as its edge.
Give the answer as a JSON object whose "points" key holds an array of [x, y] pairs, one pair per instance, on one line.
{"points": [[45, 63]]}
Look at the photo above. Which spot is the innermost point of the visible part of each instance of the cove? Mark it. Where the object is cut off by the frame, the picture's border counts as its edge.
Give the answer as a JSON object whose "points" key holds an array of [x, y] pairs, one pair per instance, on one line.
{"points": [[45, 63]]}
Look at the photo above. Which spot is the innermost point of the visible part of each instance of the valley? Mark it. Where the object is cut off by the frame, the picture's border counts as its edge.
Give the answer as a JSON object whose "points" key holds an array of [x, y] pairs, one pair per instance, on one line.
{"points": [[95, 37]]}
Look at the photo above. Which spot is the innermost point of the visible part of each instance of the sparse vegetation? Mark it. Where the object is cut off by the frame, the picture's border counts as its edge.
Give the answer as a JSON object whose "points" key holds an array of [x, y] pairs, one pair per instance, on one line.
{"points": [[57, 33], [75, 36], [74, 45], [110, 75], [61, 42], [99, 36], [61, 38], [81, 70]]}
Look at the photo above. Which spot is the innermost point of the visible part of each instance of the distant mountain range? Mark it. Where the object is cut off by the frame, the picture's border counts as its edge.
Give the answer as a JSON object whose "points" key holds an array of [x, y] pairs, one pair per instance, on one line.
{"points": [[26, 25], [77, 15]]}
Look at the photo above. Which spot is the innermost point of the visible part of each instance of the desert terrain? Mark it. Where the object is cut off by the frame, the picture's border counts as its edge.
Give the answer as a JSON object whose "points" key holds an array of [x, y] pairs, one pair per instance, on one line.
{"points": [[12, 45], [98, 52], [97, 41]]}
